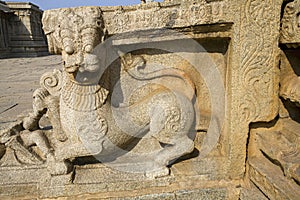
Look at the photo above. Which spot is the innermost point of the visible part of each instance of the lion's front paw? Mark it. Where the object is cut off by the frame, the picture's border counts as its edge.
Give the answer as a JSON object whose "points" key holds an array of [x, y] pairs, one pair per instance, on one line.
{"points": [[58, 167], [30, 123]]}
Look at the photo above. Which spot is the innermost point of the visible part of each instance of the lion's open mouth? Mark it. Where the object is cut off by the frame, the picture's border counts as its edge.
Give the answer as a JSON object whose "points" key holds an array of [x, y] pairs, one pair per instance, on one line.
{"points": [[85, 69]]}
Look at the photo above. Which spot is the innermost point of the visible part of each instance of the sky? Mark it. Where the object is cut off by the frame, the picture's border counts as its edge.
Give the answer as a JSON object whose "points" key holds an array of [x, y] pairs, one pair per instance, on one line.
{"points": [[51, 4]]}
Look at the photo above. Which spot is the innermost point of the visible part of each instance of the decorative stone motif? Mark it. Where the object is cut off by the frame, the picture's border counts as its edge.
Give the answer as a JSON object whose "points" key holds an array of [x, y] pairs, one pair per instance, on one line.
{"points": [[274, 146], [165, 15], [85, 112], [130, 115], [257, 73]]}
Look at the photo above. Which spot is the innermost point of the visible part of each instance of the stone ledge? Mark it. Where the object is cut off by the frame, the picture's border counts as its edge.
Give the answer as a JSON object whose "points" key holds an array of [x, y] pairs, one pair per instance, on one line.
{"points": [[101, 181], [22, 5], [270, 179]]}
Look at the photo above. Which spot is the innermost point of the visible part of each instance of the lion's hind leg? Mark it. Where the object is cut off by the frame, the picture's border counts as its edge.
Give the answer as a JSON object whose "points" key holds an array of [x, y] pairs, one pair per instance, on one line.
{"points": [[172, 130]]}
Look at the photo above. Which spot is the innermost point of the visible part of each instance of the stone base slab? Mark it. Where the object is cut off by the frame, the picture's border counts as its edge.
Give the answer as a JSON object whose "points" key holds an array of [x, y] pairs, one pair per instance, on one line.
{"points": [[100, 181]]}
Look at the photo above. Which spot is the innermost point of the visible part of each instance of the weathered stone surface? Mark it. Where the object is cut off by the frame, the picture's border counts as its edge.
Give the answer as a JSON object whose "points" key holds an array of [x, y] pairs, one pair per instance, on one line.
{"points": [[171, 100], [271, 181], [274, 158], [252, 193], [172, 14], [164, 114]]}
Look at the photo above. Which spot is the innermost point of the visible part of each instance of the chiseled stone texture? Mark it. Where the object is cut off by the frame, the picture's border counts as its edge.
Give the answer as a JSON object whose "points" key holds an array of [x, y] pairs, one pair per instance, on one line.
{"points": [[192, 152], [273, 148]]}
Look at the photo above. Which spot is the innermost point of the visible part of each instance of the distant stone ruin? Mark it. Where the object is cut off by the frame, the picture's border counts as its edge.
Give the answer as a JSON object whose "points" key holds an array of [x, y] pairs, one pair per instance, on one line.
{"points": [[21, 32]]}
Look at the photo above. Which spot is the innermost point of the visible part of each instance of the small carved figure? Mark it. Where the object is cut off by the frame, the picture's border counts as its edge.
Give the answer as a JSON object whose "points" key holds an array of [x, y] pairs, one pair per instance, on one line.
{"points": [[24, 147], [21, 142], [44, 102]]}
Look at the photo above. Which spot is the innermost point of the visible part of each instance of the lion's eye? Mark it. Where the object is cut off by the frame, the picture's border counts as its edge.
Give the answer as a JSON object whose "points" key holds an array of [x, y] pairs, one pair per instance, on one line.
{"points": [[69, 49], [98, 23], [88, 48]]}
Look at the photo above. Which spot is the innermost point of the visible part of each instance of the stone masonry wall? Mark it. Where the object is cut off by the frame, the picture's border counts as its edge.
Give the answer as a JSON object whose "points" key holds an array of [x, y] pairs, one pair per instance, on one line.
{"points": [[22, 30]]}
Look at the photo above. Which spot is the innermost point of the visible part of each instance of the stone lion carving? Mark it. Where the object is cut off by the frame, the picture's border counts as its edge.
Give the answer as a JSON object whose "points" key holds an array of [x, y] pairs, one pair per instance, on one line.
{"points": [[81, 111]]}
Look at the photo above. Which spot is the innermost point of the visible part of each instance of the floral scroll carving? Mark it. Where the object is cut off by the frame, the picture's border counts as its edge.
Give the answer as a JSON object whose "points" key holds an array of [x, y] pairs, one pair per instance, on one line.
{"points": [[259, 60]]}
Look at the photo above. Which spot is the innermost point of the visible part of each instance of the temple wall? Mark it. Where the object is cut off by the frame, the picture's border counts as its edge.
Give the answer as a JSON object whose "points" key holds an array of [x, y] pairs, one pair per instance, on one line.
{"points": [[22, 30], [3, 31]]}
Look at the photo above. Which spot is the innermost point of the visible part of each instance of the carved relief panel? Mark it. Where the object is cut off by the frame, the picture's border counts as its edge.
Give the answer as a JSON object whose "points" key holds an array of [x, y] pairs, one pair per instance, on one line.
{"points": [[167, 90]]}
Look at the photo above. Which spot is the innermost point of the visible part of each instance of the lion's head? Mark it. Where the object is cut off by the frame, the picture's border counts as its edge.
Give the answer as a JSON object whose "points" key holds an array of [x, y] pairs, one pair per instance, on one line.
{"points": [[74, 33]]}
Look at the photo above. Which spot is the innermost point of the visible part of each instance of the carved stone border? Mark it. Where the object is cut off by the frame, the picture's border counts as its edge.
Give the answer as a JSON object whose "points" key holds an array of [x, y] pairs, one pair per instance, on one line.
{"points": [[255, 74]]}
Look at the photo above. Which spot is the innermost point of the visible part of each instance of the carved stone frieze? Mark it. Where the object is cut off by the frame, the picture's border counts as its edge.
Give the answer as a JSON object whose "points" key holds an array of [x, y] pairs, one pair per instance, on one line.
{"points": [[274, 146], [165, 15], [135, 108], [256, 94], [85, 112], [259, 62]]}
